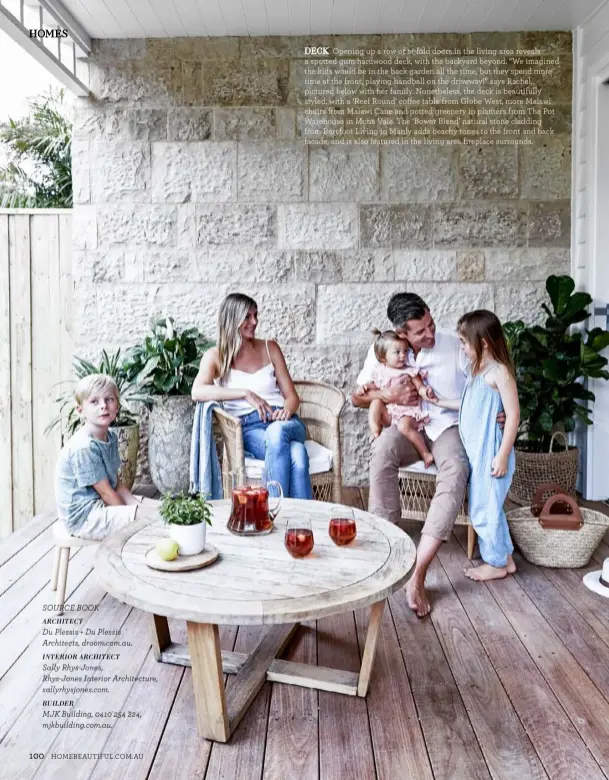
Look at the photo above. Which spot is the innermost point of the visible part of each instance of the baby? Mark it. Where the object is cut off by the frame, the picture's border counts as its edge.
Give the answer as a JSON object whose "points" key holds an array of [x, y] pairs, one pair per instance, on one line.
{"points": [[392, 351]]}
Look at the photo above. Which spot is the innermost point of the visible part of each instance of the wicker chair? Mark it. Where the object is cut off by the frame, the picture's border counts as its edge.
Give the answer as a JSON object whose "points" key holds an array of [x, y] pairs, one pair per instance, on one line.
{"points": [[320, 407], [417, 488]]}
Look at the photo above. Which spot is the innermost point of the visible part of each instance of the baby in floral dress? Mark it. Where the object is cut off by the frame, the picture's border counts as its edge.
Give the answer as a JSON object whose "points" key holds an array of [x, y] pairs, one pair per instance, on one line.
{"points": [[392, 353]]}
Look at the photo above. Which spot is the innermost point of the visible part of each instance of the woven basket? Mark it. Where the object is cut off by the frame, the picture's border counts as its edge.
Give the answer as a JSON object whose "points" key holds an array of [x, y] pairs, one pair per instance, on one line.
{"points": [[536, 468], [552, 548]]}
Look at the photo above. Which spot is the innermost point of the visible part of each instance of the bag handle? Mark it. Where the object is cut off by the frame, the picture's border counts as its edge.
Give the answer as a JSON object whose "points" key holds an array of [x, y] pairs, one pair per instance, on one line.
{"points": [[538, 502], [554, 435], [561, 521]]}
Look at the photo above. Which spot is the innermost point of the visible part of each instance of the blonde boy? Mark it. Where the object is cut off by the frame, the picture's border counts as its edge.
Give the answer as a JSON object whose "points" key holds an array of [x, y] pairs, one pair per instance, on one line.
{"points": [[91, 501]]}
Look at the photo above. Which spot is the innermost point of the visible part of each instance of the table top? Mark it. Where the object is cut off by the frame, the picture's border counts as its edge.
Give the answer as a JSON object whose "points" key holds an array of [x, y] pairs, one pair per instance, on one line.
{"points": [[255, 581]]}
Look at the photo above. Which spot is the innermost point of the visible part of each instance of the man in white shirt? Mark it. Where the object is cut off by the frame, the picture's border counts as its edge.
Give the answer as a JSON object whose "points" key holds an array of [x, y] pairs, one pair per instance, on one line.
{"points": [[438, 353]]}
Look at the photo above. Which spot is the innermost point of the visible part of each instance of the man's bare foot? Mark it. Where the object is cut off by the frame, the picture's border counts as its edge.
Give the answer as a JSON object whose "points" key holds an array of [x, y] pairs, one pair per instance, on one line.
{"points": [[417, 598], [486, 572], [427, 459], [511, 566]]}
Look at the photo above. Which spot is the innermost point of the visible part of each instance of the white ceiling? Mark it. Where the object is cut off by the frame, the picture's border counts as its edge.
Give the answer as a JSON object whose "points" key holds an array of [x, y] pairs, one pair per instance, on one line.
{"points": [[176, 18]]}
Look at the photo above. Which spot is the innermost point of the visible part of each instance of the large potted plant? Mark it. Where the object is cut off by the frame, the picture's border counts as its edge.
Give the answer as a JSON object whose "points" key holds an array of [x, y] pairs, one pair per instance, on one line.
{"points": [[553, 362], [126, 425], [164, 366], [188, 517]]}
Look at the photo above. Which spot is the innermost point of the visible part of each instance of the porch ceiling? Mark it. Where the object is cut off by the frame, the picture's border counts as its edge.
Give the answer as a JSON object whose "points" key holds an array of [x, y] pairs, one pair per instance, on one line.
{"points": [[177, 18]]}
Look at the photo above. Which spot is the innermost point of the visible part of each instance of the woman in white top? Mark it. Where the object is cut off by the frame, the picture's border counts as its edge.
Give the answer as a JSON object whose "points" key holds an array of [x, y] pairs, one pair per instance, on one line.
{"points": [[251, 378]]}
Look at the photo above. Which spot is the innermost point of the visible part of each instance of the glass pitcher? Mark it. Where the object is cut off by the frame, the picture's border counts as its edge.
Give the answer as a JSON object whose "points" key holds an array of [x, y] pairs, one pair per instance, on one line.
{"points": [[251, 513]]}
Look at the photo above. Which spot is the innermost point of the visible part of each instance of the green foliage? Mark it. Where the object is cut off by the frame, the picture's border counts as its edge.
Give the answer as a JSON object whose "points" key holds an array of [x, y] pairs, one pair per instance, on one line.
{"points": [[167, 361], [38, 173], [182, 509], [112, 365], [552, 362]]}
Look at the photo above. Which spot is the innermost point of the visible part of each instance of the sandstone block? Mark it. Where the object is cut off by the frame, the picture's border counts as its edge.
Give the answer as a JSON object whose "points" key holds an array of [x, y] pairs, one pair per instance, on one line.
{"points": [[526, 264], [478, 225], [89, 122], [113, 327], [547, 42], [285, 122], [418, 173], [84, 227], [111, 50], [318, 226], [241, 124], [193, 48], [425, 265], [560, 121], [355, 446], [322, 363], [137, 124], [411, 226], [521, 302], [471, 266], [197, 172], [91, 267], [347, 312], [81, 187], [189, 124], [318, 266], [245, 83], [193, 305], [138, 83], [344, 172], [238, 265], [488, 172], [546, 169], [448, 301], [167, 267], [367, 265], [375, 226], [283, 46], [272, 172], [120, 171], [137, 225], [550, 224], [286, 314], [233, 224]]}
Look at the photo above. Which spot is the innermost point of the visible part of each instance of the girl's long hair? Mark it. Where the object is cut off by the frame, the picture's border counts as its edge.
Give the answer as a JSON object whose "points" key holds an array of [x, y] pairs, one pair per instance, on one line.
{"points": [[233, 312], [482, 325]]}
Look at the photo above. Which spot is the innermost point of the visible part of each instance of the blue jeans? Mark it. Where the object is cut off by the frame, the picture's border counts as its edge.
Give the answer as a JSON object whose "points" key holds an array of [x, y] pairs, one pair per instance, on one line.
{"points": [[281, 445]]}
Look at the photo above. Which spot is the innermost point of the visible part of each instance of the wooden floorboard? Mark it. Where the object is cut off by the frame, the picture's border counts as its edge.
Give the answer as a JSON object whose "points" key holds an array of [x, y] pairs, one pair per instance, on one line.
{"points": [[506, 680]]}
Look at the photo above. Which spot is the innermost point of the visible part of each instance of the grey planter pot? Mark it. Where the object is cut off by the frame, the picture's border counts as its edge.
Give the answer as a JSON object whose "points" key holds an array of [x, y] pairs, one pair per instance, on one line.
{"points": [[170, 429], [128, 445]]}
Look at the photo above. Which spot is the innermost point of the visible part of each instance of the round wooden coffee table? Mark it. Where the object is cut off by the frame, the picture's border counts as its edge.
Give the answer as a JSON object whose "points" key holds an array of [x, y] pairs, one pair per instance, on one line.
{"points": [[255, 581]]}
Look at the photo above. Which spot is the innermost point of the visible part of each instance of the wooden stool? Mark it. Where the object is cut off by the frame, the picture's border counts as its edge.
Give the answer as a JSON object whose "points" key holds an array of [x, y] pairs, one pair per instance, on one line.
{"points": [[417, 489], [64, 542]]}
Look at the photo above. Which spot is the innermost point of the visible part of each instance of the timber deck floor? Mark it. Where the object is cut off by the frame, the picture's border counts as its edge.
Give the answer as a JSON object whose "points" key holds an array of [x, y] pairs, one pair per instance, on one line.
{"points": [[505, 680]]}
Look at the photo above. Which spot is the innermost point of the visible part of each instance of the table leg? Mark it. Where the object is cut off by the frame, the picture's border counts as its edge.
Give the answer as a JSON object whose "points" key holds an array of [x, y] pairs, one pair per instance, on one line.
{"points": [[159, 635], [208, 681], [374, 625]]}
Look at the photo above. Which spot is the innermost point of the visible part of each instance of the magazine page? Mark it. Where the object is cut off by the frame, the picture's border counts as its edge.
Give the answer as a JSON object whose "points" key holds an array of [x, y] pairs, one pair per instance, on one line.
{"points": [[303, 390]]}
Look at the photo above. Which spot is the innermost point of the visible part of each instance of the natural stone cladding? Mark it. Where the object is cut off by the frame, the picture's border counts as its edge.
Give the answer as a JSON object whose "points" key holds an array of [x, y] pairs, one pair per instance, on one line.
{"points": [[192, 179]]}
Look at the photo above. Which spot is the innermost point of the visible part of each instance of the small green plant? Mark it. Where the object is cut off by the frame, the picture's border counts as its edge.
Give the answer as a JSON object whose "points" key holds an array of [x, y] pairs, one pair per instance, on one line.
{"points": [[112, 365], [167, 361], [552, 362], [183, 509]]}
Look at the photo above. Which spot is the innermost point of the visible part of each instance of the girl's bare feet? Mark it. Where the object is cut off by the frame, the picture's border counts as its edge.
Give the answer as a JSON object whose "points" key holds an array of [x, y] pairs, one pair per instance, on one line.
{"points": [[486, 572], [511, 566], [427, 459]]}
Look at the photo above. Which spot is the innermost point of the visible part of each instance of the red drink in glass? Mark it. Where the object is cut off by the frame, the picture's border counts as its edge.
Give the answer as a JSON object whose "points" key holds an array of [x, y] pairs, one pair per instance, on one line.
{"points": [[299, 542], [342, 530]]}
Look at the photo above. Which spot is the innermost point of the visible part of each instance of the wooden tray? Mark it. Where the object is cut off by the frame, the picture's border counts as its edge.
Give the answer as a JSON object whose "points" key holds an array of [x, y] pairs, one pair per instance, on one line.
{"points": [[182, 562]]}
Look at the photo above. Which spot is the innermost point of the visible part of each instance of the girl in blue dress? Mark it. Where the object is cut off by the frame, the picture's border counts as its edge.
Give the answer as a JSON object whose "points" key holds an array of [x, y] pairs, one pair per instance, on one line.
{"points": [[490, 389]]}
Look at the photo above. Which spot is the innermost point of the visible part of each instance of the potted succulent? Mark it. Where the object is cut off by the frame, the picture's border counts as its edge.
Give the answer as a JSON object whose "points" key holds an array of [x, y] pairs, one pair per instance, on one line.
{"points": [[553, 362], [188, 516], [126, 424], [164, 366]]}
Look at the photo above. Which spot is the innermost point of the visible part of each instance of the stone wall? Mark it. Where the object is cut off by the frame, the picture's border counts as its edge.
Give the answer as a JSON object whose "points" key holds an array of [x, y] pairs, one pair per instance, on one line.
{"points": [[192, 179]]}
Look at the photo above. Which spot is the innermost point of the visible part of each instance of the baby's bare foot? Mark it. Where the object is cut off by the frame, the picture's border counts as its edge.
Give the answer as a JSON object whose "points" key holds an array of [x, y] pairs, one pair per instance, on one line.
{"points": [[428, 459], [486, 572]]}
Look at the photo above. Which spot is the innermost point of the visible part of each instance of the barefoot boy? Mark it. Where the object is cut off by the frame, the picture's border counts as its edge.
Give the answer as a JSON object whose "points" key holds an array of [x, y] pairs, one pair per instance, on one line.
{"points": [[91, 502]]}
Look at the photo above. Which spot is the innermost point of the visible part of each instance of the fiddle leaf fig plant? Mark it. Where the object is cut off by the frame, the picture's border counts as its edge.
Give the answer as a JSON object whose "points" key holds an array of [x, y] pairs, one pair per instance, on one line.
{"points": [[167, 361], [553, 361]]}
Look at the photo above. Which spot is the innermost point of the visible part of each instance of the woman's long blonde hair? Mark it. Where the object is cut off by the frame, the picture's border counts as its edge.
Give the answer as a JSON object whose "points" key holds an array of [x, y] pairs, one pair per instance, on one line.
{"points": [[233, 312]]}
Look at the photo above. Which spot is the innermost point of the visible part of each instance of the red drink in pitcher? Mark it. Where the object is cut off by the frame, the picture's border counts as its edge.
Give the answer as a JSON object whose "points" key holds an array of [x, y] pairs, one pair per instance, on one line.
{"points": [[250, 510]]}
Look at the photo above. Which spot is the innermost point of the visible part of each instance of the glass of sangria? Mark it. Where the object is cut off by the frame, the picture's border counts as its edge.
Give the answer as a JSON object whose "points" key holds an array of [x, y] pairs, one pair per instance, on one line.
{"points": [[251, 511], [342, 528], [299, 537]]}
